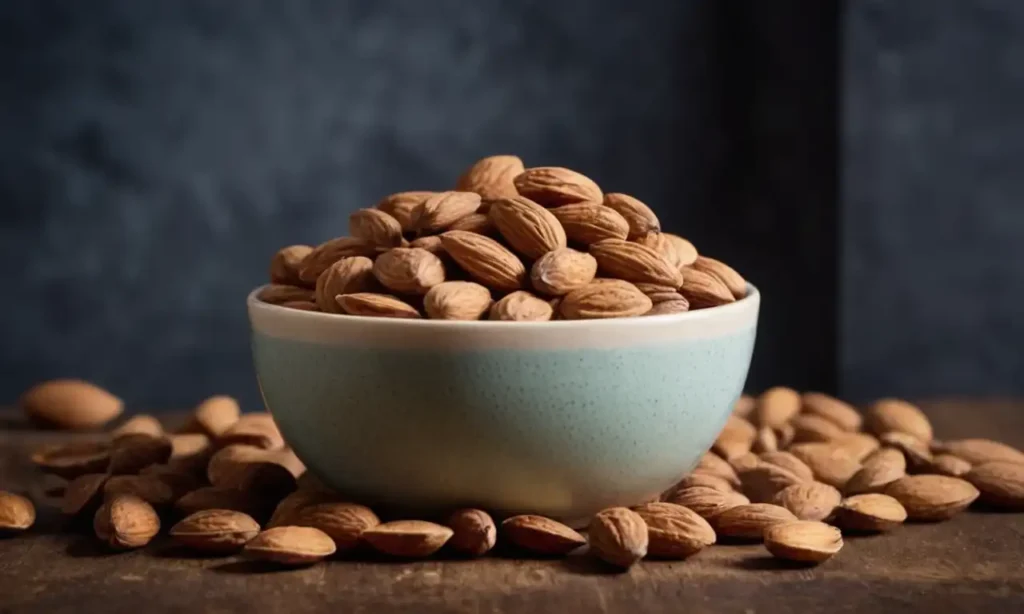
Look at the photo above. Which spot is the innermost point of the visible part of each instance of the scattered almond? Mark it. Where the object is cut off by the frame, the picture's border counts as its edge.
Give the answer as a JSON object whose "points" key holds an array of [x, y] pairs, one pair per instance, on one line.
{"points": [[699, 478], [744, 462], [473, 532], [947, 464], [786, 460], [744, 406], [840, 412], [887, 415], [216, 497], [149, 488], [73, 459], [879, 469], [776, 406], [83, 494], [255, 429], [1001, 483], [735, 439], [674, 531], [764, 481], [857, 445], [914, 450], [765, 441], [215, 531], [126, 522], [345, 523], [716, 465], [932, 497], [706, 502], [805, 541], [407, 538], [618, 536], [831, 465], [541, 535], [979, 451], [141, 424], [871, 512], [133, 453], [809, 500], [70, 404], [290, 546], [521, 306], [288, 510], [16, 512], [811, 428], [750, 521]]}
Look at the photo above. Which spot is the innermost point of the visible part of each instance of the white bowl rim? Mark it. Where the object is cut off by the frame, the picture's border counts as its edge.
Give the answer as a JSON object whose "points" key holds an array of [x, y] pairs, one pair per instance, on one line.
{"points": [[751, 301]]}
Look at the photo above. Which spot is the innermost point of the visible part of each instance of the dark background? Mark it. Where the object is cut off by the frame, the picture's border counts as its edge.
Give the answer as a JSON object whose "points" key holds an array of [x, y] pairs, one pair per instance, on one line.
{"points": [[860, 163]]}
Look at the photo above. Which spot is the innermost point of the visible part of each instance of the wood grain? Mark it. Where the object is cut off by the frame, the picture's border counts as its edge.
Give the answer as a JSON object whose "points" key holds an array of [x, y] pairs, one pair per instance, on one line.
{"points": [[974, 563]]}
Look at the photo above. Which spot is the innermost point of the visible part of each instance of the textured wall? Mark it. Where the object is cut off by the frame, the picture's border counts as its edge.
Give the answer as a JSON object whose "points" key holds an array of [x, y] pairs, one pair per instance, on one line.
{"points": [[933, 280], [156, 153]]}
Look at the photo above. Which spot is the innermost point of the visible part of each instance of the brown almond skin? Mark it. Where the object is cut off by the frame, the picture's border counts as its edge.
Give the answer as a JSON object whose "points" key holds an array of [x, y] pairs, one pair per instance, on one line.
{"points": [[215, 531], [618, 536], [932, 497], [344, 522], [17, 513], [707, 480], [216, 414], [284, 266], [529, 228], [880, 469], [329, 252], [292, 546], [669, 307], [70, 404], [491, 177], [685, 250], [562, 270], [140, 424], [872, 512], [724, 273], [541, 535], [408, 270], [748, 522], [887, 415], [840, 412], [703, 290], [553, 186], [764, 481], [830, 464], [149, 488], [376, 227], [608, 299], [404, 207], [473, 532], [663, 245], [674, 531], [521, 306], [809, 500], [277, 294], [810, 428], [488, 262], [126, 522], [479, 223], [776, 406], [443, 209], [803, 541], [134, 453], [716, 465], [587, 223], [735, 438], [254, 429], [978, 451], [1001, 484], [787, 461], [376, 305], [457, 300], [408, 538], [73, 459], [346, 276], [636, 263], [708, 503], [947, 464], [639, 216], [83, 494]]}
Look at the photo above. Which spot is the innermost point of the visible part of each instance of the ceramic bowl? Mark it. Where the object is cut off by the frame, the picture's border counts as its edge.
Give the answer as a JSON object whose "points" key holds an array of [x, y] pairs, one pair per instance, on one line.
{"points": [[556, 418]]}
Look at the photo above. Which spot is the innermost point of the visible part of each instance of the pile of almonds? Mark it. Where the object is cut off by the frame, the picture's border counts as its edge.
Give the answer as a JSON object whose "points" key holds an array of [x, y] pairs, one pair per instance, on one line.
{"points": [[794, 471], [509, 243]]}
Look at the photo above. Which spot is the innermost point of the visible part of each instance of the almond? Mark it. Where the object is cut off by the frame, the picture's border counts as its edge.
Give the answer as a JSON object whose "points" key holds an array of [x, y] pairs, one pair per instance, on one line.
{"points": [[149, 488], [344, 522], [230, 459], [133, 453], [563, 270], [16, 512], [589, 222], [724, 273], [126, 522], [685, 250], [947, 464], [659, 293], [804, 541], [744, 462], [141, 424], [254, 429], [290, 546], [553, 186], [765, 441], [541, 535], [486, 260], [663, 245], [715, 465], [639, 216], [301, 305], [735, 438], [704, 290], [881, 468], [980, 451], [674, 531], [180, 480], [857, 445], [404, 207], [750, 521], [217, 497], [346, 276], [699, 478], [276, 294], [262, 479], [73, 459], [763, 482], [409, 270], [432, 243], [376, 305], [708, 503], [289, 509], [329, 252], [215, 531], [932, 497], [618, 536], [914, 450], [376, 227], [457, 300], [812, 428], [479, 223], [809, 500], [776, 406], [787, 461], [872, 512], [408, 538], [215, 415], [669, 307], [887, 415], [611, 299], [70, 404], [831, 465], [529, 228], [473, 532], [1001, 483], [744, 405], [83, 494], [521, 306], [491, 177], [841, 413], [285, 265], [784, 433], [636, 263], [443, 209]]}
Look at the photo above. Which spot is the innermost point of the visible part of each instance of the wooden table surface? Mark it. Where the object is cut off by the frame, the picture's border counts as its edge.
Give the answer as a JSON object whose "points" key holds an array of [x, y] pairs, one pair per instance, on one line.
{"points": [[973, 563]]}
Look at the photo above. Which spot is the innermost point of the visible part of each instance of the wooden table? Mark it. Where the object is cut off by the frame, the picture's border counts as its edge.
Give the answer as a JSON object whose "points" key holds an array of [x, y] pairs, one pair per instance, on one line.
{"points": [[974, 563]]}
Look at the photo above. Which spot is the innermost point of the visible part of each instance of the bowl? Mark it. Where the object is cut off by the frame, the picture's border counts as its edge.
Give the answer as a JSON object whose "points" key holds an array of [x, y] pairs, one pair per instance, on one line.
{"points": [[560, 418]]}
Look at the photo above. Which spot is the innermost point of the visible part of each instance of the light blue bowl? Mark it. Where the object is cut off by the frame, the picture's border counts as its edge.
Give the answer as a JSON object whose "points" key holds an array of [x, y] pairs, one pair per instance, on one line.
{"points": [[555, 418]]}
